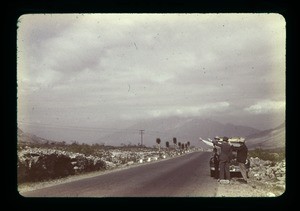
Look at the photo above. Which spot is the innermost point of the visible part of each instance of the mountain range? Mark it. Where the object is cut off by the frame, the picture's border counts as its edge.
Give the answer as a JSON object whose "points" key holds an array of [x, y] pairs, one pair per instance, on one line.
{"points": [[267, 139], [31, 138], [184, 129]]}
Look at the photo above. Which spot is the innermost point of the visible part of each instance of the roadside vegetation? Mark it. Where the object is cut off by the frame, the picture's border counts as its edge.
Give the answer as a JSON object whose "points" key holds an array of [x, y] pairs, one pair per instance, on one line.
{"points": [[75, 147], [52, 160], [273, 155]]}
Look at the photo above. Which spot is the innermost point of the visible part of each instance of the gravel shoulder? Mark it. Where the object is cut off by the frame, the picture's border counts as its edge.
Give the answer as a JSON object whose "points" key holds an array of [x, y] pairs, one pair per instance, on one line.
{"points": [[251, 189]]}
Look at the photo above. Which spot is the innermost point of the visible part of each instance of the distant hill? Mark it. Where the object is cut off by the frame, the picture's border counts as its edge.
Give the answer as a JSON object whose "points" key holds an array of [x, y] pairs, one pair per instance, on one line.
{"points": [[30, 138], [184, 129], [268, 139]]}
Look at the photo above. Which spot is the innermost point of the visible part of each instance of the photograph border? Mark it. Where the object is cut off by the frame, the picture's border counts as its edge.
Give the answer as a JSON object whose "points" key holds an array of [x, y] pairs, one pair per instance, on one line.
{"points": [[18, 8]]}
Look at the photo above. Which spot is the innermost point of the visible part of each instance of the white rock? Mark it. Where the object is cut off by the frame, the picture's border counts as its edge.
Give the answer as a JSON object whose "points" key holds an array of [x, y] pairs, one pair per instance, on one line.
{"points": [[130, 163], [270, 194], [224, 181]]}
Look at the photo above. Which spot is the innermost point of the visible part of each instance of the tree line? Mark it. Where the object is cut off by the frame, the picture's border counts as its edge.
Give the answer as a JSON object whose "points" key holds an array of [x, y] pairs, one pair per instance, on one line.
{"points": [[176, 144]]}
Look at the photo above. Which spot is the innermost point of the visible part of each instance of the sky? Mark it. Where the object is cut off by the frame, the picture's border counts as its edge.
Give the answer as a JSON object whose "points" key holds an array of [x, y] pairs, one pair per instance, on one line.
{"points": [[113, 70]]}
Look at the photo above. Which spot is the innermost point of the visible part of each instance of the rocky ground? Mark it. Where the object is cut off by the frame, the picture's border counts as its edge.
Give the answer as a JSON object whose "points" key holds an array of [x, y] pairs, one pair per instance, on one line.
{"points": [[252, 189], [266, 179]]}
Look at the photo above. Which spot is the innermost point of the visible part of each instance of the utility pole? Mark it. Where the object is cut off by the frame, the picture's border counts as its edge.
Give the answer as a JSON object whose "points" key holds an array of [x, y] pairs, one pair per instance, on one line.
{"points": [[142, 132]]}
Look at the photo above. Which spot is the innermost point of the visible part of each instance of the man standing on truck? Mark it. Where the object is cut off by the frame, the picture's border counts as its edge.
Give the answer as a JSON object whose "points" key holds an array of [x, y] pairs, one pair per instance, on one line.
{"points": [[224, 158]]}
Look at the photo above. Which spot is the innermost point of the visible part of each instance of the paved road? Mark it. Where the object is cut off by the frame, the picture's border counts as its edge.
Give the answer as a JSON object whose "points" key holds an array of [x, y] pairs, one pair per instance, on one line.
{"points": [[185, 176]]}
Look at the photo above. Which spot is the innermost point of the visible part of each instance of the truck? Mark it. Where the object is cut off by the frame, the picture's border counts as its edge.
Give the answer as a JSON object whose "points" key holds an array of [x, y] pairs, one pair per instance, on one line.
{"points": [[234, 168]]}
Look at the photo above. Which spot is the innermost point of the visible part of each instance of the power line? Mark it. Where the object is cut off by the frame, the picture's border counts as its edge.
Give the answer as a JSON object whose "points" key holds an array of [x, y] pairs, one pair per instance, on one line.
{"points": [[169, 135]]}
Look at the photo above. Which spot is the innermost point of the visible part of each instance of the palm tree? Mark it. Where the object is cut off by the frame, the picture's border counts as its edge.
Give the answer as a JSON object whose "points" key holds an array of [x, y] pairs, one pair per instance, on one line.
{"points": [[158, 142], [188, 144], [174, 142]]}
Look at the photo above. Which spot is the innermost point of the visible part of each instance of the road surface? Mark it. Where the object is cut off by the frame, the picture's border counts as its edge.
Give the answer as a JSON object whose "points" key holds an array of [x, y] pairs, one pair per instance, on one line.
{"points": [[185, 176]]}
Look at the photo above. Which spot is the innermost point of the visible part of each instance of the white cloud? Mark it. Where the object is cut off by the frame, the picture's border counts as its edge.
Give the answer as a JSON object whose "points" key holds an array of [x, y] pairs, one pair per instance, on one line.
{"points": [[189, 110], [266, 106], [143, 66]]}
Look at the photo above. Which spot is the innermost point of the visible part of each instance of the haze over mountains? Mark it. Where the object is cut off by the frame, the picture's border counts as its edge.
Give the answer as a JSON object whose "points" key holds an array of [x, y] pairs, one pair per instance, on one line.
{"points": [[31, 138], [267, 139], [184, 129]]}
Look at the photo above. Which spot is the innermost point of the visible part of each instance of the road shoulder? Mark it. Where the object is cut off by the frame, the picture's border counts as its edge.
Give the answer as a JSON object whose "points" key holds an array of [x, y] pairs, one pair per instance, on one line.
{"points": [[251, 189]]}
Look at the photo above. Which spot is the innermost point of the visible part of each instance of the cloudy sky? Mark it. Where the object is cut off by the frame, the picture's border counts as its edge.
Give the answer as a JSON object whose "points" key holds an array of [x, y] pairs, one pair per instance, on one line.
{"points": [[111, 70]]}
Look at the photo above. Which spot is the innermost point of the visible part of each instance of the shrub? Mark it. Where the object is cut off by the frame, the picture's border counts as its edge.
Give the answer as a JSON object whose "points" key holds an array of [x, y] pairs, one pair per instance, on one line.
{"points": [[267, 154], [44, 167]]}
